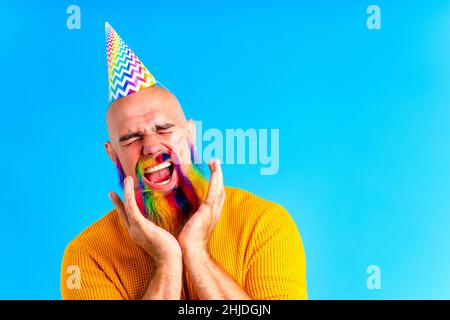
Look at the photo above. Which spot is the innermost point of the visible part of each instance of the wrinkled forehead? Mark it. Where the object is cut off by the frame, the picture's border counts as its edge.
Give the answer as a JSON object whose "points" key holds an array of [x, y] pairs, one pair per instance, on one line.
{"points": [[142, 110]]}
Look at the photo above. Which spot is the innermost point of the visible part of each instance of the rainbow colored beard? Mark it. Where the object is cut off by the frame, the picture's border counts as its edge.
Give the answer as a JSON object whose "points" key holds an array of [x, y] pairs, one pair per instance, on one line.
{"points": [[170, 210]]}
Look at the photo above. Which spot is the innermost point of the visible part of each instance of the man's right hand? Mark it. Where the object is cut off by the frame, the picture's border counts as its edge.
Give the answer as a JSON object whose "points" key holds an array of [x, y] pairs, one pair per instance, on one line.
{"points": [[159, 244]]}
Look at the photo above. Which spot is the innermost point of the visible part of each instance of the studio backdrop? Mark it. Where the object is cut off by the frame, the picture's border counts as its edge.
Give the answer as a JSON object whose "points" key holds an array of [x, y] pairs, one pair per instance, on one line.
{"points": [[337, 110]]}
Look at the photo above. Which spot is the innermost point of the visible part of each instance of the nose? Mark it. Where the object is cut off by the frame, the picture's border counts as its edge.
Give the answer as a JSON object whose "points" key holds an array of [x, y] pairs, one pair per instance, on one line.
{"points": [[152, 145]]}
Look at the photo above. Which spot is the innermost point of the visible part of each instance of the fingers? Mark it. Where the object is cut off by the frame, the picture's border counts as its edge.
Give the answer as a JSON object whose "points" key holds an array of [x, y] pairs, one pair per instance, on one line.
{"points": [[218, 171], [218, 211], [131, 208], [129, 212], [220, 187], [220, 200], [216, 189], [220, 175], [120, 208], [213, 185]]}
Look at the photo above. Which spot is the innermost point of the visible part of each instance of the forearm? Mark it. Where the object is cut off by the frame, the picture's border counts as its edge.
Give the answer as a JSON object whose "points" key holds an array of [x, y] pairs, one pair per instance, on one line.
{"points": [[164, 285], [210, 281]]}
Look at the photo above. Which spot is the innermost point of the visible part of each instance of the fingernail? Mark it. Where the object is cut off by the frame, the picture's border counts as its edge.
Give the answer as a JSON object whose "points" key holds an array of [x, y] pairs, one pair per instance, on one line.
{"points": [[110, 195]]}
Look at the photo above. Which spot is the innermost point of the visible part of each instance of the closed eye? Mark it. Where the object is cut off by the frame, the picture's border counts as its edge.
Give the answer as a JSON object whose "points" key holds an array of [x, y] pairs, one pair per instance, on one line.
{"points": [[130, 141], [130, 138], [165, 128]]}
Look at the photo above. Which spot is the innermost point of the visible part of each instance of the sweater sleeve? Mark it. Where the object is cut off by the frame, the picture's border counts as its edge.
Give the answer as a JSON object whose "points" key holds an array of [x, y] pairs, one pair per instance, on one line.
{"points": [[277, 264], [82, 277]]}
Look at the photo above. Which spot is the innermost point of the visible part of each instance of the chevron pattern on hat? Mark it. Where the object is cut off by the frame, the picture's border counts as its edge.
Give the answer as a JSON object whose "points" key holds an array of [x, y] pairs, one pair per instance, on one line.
{"points": [[126, 73]]}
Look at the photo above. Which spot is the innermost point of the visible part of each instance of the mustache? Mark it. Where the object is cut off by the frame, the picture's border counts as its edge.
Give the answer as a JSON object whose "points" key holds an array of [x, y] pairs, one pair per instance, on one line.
{"points": [[152, 161]]}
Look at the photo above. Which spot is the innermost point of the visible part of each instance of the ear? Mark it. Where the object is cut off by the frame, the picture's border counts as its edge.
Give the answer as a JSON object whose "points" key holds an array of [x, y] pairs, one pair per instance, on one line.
{"points": [[191, 131], [110, 151]]}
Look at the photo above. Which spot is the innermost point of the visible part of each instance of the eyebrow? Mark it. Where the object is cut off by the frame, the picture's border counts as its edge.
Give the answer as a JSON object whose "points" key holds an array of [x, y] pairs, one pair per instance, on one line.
{"points": [[163, 126], [130, 135]]}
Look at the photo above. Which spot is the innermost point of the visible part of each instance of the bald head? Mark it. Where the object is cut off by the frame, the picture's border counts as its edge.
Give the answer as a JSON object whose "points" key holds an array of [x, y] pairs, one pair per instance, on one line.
{"points": [[152, 102]]}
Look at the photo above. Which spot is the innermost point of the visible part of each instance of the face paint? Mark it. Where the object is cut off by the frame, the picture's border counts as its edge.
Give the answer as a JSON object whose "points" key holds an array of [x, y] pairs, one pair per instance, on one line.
{"points": [[170, 209]]}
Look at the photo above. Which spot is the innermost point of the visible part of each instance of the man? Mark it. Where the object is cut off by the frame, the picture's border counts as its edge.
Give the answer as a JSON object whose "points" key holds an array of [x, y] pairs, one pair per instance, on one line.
{"points": [[176, 235]]}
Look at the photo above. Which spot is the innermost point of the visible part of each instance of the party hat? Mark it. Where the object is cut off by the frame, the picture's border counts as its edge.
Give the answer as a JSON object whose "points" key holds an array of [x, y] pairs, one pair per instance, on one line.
{"points": [[126, 73]]}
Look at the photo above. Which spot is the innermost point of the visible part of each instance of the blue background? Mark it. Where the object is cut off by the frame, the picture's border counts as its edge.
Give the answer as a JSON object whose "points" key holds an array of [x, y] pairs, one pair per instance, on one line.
{"points": [[363, 115]]}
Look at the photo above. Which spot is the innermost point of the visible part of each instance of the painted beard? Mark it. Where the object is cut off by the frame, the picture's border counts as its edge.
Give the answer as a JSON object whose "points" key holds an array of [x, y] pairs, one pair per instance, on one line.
{"points": [[170, 209]]}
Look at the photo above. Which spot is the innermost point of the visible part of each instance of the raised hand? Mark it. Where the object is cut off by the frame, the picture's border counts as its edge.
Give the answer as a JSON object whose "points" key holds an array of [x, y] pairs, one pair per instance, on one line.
{"points": [[196, 233], [159, 243]]}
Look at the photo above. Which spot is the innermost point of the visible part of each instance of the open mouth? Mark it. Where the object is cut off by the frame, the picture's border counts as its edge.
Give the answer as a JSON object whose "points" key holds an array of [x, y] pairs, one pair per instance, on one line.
{"points": [[160, 175]]}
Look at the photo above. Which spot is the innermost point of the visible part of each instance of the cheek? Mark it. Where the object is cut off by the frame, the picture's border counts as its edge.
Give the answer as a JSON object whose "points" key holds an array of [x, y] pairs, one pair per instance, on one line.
{"points": [[180, 145], [129, 160]]}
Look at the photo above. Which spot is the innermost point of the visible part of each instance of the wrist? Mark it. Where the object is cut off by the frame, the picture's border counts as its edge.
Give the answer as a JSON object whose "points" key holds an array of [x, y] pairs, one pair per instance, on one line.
{"points": [[172, 265], [168, 272], [165, 284], [195, 256]]}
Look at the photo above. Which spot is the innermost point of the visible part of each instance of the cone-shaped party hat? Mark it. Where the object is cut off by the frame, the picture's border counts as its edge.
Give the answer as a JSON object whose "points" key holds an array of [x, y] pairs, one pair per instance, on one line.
{"points": [[126, 73]]}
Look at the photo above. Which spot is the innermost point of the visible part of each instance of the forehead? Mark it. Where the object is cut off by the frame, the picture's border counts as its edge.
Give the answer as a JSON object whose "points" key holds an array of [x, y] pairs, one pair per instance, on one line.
{"points": [[142, 109]]}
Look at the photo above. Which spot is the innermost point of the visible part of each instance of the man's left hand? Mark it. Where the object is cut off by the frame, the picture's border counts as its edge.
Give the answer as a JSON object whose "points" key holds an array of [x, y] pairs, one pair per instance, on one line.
{"points": [[195, 235]]}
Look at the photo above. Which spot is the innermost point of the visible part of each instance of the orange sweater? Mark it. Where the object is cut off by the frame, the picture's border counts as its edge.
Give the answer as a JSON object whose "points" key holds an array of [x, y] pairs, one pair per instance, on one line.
{"points": [[255, 241]]}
